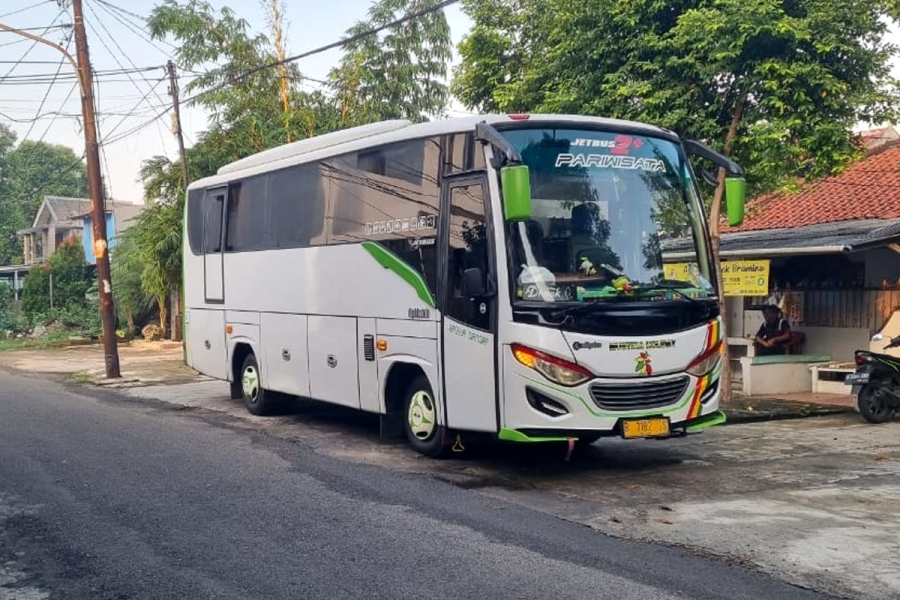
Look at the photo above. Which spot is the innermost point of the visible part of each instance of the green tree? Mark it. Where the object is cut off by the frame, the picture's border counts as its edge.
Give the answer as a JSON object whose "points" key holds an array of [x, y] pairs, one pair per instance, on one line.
{"points": [[64, 276], [28, 172], [784, 80], [778, 84], [398, 74], [133, 303]]}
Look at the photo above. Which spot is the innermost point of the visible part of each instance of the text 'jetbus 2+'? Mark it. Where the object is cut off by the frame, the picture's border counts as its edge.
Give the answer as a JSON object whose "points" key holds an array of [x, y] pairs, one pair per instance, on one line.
{"points": [[496, 274]]}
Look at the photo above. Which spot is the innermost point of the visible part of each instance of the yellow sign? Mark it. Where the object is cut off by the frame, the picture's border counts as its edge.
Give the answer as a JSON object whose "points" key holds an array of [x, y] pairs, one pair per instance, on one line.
{"points": [[739, 277]]}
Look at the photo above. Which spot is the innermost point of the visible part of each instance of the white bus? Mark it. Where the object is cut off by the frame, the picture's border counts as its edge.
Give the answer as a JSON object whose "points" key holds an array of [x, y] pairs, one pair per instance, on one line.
{"points": [[498, 274]]}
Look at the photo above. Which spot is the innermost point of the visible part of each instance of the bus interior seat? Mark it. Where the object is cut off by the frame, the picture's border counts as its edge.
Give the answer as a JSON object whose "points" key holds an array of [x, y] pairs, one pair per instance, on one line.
{"points": [[584, 218]]}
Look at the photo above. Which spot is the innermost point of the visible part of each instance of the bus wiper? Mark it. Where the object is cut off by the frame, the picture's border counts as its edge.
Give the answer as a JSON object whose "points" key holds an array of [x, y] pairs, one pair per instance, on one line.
{"points": [[674, 286], [571, 311]]}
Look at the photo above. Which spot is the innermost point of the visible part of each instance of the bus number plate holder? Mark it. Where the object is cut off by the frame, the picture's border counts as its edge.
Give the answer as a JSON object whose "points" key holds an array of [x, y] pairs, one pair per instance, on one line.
{"points": [[645, 428]]}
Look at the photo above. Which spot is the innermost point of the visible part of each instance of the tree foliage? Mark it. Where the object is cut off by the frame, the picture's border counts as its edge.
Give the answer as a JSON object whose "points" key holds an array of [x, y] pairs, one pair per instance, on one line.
{"points": [[799, 73], [28, 172], [252, 110], [67, 268], [398, 74]]}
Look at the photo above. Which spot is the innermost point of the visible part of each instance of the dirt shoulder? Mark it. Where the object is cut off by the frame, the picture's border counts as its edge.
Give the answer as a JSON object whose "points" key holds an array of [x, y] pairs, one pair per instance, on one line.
{"points": [[142, 364]]}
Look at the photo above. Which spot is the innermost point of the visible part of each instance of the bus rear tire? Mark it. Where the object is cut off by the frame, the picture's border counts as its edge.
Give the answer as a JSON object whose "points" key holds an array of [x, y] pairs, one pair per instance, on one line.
{"points": [[421, 419], [258, 401]]}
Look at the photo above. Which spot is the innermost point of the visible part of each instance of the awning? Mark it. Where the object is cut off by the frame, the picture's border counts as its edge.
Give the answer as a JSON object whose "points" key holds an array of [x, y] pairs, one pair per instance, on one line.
{"points": [[822, 238]]}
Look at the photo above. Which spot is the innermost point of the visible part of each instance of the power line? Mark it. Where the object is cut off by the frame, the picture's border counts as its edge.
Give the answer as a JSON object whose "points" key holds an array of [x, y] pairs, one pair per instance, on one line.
{"points": [[125, 54], [62, 61], [134, 110], [31, 47], [21, 10], [63, 26], [114, 11], [296, 57]]}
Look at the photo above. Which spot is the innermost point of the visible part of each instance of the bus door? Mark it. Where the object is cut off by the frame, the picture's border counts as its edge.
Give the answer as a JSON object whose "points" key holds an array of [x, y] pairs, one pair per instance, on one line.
{"points": [[469, 324], [213, 267]]}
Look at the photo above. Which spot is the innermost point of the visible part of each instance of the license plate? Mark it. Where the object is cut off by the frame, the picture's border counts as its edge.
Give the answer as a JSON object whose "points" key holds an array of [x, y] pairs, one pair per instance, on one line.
{"points": [[644, 428], [857, 378]]}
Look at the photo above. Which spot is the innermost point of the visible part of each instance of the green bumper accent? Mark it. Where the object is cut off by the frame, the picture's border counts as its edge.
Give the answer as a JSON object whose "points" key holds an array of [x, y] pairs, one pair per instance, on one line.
{"points": [[716, 418], [389, 260], [511, 435]]}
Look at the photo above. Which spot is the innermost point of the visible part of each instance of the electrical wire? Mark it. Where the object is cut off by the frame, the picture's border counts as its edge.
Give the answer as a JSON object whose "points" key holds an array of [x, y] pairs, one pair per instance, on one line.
{"points": [[125, 54], [31, 47], [62, 62], [113, 11], [296, 57], [21, 10]]}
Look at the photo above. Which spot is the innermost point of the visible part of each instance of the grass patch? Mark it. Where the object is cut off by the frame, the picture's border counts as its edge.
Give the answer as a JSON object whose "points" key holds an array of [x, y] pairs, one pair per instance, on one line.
{"points": [[82, 378], [51, 340]]}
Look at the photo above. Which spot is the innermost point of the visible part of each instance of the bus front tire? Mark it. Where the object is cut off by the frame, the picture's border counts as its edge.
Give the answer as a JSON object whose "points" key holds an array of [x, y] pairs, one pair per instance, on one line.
{"points": [[258, 401], [420, 419]]}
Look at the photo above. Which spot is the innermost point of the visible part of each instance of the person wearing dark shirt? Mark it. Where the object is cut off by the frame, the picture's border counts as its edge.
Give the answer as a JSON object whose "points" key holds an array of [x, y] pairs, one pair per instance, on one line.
{"points": [[774, 334]]}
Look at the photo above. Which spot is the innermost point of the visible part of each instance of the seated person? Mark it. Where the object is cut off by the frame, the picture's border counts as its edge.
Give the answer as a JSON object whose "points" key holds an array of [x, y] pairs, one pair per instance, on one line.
{"points": [[774, 334]]}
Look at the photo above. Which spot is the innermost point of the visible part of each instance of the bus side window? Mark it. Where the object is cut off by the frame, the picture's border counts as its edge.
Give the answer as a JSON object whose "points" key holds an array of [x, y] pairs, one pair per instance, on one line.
{"points": [[468, 249], [212, 229]]}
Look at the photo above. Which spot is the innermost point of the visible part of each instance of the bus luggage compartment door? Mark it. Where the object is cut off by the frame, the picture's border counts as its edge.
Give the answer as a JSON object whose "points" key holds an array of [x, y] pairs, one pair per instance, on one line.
{"points": [[333, 360]]}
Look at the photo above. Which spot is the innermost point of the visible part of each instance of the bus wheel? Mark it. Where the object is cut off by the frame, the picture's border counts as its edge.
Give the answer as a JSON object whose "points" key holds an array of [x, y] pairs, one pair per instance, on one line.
{"points": [[421, 424], [256, 399]]}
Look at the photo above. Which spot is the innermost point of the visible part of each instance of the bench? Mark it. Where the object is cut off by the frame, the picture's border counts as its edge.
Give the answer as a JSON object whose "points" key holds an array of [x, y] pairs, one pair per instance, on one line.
{"points": [[829, 378], [781, 374]]}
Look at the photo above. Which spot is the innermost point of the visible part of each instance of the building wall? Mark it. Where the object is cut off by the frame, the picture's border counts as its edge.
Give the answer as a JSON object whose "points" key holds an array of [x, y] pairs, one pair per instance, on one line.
{"points": [[837, 342]]}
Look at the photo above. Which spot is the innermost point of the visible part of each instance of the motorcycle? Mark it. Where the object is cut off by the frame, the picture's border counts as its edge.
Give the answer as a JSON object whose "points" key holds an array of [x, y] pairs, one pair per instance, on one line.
{"points": [[876, 382]]}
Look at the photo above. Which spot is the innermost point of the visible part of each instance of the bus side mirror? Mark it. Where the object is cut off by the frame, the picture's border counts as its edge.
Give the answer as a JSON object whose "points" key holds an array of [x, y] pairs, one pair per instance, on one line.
{"points": [[516, 184], [735, 191]]}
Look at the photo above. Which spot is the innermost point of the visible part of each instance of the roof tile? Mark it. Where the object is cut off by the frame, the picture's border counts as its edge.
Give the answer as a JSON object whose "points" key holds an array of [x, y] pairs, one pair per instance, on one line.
{"points": [[870, 189]]}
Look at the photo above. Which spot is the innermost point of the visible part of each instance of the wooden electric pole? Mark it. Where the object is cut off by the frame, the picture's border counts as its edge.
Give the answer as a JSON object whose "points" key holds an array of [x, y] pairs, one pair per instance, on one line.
{"points": [[176, 122], [176, 129], [95, 187]]}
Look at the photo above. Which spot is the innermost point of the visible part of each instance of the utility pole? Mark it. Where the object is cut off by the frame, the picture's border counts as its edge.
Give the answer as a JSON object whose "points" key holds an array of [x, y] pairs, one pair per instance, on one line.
{"points": [[176, 121], [95, 187], [176, 129]]}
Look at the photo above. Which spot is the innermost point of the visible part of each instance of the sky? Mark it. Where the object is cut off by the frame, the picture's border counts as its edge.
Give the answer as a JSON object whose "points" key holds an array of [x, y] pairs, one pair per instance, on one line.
{"points": [[117, 40]]}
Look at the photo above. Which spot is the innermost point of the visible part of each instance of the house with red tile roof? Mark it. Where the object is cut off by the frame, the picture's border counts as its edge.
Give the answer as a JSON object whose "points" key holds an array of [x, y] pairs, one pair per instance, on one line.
{"points": [[833, 250]]}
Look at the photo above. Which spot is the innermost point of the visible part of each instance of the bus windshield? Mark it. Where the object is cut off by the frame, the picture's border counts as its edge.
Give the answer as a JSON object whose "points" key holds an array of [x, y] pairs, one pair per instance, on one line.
{"points": [[605, 208]]}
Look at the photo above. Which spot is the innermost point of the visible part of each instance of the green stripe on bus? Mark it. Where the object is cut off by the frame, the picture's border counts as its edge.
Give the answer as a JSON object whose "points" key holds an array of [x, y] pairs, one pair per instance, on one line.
{"points": [[389, 260]]}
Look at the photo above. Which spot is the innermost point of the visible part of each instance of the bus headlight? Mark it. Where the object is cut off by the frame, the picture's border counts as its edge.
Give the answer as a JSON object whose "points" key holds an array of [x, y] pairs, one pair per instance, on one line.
{"points": [[707, 361], [555, 369]]}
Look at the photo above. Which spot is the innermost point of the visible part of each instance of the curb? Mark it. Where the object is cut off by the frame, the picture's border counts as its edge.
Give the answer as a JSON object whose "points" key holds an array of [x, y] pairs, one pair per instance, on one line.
{"points": [[737, 416]]}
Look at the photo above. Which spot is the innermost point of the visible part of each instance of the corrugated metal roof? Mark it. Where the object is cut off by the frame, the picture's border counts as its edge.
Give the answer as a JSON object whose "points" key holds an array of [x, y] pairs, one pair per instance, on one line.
{"points": [[838, 237]]}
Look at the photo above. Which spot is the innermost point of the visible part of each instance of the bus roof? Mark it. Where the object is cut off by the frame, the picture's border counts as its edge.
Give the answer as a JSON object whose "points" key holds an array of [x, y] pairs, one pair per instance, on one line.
{"points": [[384, 132]]}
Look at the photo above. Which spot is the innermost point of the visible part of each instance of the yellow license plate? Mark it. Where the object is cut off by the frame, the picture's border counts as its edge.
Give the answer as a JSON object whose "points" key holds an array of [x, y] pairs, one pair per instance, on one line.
{"points": [[644, 428]]}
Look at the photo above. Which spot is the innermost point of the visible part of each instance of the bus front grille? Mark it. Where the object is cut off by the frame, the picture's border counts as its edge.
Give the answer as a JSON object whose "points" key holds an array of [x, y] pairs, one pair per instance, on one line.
{"points": [[639, 395]]}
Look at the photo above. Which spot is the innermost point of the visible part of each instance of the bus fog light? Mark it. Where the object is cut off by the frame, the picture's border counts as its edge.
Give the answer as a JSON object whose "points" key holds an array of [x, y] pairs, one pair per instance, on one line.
{"points": [[555, 369]]}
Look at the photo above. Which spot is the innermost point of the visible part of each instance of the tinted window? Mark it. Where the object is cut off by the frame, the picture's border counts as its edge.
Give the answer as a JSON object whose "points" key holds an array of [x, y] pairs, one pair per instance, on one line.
{"points": [[468, 250], [212, 221], [462, 153], [390, 196], [297, 207], [397, 200], [247, 223], [195, 220]]}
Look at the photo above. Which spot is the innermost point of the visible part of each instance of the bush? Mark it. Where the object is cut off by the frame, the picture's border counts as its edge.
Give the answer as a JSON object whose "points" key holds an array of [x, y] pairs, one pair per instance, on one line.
{"points": [[70, 282]]}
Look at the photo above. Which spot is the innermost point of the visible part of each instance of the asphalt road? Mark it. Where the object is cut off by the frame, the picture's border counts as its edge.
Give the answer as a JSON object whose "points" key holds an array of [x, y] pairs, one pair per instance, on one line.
{"points": [[109, 498]]}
